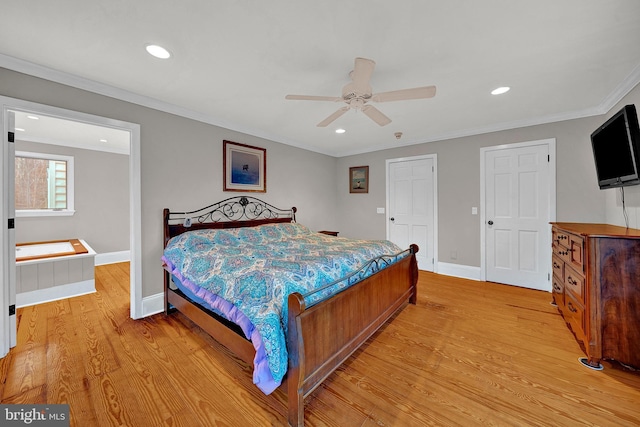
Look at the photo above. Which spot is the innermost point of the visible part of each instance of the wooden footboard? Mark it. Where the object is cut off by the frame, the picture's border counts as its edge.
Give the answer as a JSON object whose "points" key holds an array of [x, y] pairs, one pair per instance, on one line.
{"points": [[319, 339]]}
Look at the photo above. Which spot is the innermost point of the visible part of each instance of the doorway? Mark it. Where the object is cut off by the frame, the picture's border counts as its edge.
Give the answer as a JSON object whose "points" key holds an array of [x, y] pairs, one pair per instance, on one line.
{"points": [[517, 206], [133, 130]]}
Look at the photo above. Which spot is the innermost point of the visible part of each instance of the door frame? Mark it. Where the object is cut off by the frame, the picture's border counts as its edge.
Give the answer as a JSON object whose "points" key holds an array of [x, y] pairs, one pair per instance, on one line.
{"points": [[135, 205], [434, 157], [551, 143]]}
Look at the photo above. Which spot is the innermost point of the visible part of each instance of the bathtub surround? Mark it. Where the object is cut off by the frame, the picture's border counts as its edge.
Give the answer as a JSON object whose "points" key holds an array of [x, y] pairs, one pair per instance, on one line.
{"points": [[53, 278]]}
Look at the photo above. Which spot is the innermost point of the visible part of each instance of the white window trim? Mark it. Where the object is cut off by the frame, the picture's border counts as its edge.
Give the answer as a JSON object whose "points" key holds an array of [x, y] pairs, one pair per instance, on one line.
{"points": [[70, 187]]}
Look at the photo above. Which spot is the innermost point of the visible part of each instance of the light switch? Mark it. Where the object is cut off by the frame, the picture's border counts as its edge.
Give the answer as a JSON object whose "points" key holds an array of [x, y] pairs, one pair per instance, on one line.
{"points": [[380, 210], [474, 211]]}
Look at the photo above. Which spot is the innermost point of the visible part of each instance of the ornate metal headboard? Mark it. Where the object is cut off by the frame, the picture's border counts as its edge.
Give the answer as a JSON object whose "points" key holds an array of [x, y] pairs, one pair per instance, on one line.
{"points": [[234, 212]]}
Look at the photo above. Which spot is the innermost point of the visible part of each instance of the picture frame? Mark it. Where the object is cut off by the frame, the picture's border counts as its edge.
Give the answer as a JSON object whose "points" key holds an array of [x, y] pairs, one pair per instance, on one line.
{"points": [[244, 167], [359, 179]]}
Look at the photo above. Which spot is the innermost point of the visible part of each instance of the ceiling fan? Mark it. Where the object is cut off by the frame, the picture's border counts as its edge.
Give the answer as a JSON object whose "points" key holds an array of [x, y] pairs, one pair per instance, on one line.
{"points": [[358, 94]]}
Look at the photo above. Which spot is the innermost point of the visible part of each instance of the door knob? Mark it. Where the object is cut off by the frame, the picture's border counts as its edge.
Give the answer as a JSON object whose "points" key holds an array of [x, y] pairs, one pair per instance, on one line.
{"points": [[392, 219], [490, 222]]}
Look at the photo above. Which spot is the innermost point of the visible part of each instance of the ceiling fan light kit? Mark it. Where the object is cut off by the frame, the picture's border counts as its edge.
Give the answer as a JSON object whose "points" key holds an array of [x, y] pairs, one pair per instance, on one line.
{"points": [[358, 93]]}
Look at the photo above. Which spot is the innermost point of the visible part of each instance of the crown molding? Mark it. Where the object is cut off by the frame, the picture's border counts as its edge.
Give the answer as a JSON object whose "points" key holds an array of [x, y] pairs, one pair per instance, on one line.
{"points": [[40, 71], [626, 86], [78, 82]]}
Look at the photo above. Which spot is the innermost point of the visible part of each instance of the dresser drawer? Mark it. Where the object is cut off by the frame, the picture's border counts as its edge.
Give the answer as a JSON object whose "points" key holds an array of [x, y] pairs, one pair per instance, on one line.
{"points": [[558, 266], [571, 250], [575, 316], [560, 237], [574, 283], [576, 252], [554, 238], [557, 292]]}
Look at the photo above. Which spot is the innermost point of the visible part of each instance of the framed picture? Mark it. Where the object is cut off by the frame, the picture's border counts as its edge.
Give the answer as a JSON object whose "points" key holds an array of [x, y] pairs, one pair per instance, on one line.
{"points": [[359, 179], [244, 167]]}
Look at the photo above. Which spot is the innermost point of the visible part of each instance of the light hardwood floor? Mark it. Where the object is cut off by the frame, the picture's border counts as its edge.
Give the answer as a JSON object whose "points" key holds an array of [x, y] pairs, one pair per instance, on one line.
{"points": [[469, 353]]}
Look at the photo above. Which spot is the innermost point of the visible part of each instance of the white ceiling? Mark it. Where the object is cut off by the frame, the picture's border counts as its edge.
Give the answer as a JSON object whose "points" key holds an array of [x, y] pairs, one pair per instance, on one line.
{"points": [[54, 130], [234, 61]]}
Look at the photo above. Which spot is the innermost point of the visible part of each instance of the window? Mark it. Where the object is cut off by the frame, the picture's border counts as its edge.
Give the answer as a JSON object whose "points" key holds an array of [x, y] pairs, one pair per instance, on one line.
{"points": [[44, 184]]}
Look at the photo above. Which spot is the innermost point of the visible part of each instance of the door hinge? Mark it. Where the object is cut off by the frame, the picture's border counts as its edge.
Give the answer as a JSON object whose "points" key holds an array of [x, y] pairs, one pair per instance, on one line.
{"points": [[12, 137], [12, 223], [548, 276], [12, 310], [548, 157]]}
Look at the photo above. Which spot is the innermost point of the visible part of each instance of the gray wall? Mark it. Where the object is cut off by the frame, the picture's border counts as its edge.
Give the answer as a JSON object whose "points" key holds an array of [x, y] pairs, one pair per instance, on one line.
{"points": [[578, 196], [181, 164], [101, 195], [181, 169], [614, 213]]}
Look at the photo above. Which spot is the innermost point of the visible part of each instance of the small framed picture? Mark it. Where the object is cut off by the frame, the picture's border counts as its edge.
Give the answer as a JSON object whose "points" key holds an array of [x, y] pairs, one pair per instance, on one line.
{"points": [[244, 167], [359, 179]]}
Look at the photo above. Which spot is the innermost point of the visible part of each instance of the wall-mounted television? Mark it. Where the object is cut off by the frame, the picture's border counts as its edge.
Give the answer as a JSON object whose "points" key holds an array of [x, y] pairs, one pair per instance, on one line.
{"points": [[616, 149]]}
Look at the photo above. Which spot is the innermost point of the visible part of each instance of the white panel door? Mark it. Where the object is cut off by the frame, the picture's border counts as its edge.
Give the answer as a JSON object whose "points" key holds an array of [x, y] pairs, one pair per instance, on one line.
{"points": [[411, 207], [517, 213]]}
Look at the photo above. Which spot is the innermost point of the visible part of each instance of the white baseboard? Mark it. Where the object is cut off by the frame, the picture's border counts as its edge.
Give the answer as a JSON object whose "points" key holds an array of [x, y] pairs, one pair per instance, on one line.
{"points": [[113, 257], [459, 270], [55, 293], [153, 304]]}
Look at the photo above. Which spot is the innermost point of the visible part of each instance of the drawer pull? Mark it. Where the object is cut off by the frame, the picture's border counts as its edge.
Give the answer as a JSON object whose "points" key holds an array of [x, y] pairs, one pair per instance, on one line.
{"points": [[572, 281], [567, 252], [556, 287], [561, 237], [556, 265], [571, 308]]}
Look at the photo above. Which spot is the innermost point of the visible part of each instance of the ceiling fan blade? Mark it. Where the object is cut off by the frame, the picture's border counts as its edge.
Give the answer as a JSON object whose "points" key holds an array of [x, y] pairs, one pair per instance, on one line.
{"points": [[361, 74], [332, 117], [376, 115], [404, 94], [313, 98]]}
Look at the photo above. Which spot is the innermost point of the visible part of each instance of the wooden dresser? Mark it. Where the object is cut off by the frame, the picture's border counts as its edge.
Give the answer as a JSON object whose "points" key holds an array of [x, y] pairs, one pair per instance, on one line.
{"points": [[596, 286]]}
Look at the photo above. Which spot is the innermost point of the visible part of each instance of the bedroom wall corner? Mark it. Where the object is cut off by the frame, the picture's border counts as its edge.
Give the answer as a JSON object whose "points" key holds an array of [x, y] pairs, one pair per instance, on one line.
{"points": [[614, 211]]}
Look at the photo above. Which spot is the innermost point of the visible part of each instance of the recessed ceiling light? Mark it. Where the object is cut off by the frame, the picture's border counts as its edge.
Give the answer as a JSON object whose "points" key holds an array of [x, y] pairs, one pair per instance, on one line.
{"points": [[158, 51], [340, 130], [19, 129], [33, 117], [500, 90], [103, 140]]}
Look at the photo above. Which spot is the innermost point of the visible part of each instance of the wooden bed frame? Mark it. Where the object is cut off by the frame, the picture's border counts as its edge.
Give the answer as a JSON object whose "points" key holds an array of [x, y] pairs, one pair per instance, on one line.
{"points": [[321, 337]]}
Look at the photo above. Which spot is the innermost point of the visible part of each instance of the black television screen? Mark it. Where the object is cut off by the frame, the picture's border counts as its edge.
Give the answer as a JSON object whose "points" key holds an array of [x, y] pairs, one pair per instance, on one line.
{"points": [[616, 149]]}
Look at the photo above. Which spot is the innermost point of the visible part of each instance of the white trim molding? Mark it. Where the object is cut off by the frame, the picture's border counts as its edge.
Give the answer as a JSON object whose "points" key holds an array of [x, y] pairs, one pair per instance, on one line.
{"points": [[134, 255], [55, 293], [113, 257], [459, 270], [153, 304]]}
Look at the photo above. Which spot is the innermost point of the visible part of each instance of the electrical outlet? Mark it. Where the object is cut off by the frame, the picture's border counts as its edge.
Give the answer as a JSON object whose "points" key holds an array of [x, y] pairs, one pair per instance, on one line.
{"points": [[454, 255], [187, 222]]}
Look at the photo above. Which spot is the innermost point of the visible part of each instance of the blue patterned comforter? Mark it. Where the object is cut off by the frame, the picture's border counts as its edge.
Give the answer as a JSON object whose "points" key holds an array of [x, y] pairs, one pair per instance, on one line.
{"points": [[246, 274]]}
